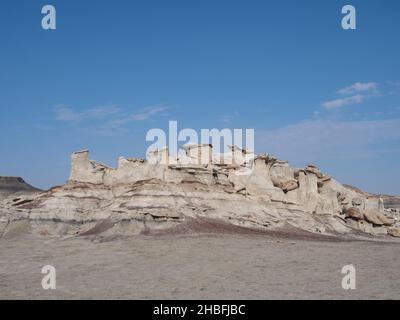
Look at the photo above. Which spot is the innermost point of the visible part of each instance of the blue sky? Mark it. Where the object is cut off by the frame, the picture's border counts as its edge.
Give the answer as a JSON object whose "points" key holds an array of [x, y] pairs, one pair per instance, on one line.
{"points": [[112, 70]]}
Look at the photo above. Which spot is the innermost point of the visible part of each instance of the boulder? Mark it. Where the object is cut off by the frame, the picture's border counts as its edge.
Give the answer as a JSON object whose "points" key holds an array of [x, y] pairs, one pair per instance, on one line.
{"points": [[289, 185], [354, 213], [314, 170], [323, 180], [326, 178], [384, 219], [372, 217], [394, 232]]}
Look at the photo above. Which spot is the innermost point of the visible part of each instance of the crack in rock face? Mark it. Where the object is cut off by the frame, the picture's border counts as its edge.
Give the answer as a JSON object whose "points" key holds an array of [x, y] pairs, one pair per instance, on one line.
{"points": [[162, 193]]}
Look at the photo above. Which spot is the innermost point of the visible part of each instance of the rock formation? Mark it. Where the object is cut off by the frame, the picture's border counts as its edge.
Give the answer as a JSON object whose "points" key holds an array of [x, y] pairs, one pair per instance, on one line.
{"points": [[163, 192]]}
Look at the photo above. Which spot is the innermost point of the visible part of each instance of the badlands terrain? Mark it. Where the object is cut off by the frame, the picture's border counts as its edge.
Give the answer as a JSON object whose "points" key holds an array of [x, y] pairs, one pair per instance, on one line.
{"points": [[201, 226]]}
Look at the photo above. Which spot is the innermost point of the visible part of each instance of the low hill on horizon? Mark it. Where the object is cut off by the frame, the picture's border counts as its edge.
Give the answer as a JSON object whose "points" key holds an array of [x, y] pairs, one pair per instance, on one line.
{"points": [[15, 185]]}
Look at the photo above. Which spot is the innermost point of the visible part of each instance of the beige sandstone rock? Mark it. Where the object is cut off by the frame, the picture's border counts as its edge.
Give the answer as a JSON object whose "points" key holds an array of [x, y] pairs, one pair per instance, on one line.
{"points": [[354, 213], [395, 232], [366, 227], [161, 192], [357, 201], [289, 185], [380, 231], [313, 169], [372, 217], [373, 203], [385, 220]]}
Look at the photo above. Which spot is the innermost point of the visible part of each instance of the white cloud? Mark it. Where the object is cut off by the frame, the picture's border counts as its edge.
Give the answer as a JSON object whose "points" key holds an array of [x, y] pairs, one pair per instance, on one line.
{"points": [[67, 114], [112, 127], [359, 87], [112, 113], [102, 112], [105, 120], [320, 139], [147, 113], [361, 153], [337, 103]]}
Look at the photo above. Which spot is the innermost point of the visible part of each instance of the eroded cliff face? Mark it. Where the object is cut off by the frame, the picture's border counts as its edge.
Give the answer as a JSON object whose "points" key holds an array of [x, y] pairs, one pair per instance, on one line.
{"points": [[259, 192]]}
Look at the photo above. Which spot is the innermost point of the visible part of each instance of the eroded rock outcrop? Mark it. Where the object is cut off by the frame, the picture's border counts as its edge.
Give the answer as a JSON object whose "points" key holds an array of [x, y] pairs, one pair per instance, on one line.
{"points": [[259, 192]]}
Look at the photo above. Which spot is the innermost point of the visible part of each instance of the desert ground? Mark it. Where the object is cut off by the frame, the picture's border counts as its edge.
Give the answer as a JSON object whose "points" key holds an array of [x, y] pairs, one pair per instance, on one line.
{"points": [[198, 266]]}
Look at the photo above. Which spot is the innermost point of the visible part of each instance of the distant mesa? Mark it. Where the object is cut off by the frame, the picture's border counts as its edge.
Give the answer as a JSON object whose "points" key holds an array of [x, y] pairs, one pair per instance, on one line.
{"points": [[15, 186]]}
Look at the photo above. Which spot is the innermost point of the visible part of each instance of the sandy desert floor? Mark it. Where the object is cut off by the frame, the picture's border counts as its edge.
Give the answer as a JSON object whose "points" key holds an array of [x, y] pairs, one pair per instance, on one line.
{"points": [[203, 266]]}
